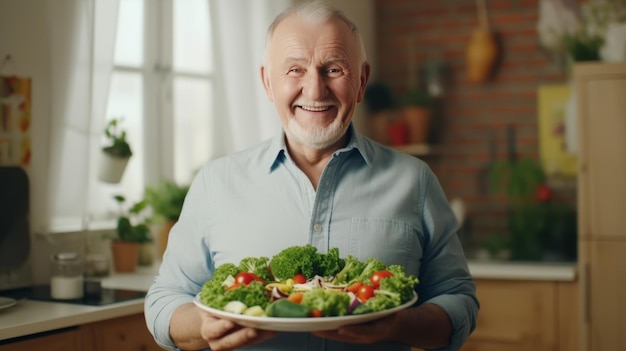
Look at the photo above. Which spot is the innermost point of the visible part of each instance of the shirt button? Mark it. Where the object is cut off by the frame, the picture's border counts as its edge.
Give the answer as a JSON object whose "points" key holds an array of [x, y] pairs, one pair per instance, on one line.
{"points": [[317, 228]]}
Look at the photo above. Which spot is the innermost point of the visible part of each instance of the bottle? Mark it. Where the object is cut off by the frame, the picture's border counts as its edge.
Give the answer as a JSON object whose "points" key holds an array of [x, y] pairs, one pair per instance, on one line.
{"points": [[66, 280]]}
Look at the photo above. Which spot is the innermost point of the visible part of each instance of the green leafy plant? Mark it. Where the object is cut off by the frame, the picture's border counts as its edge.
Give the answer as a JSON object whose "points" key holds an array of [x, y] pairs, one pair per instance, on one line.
{"points": [[583, 46], [517, 179], [378, 97], [118, 146], [417, 98], [166, 199], [131, 226], [537, 223]]}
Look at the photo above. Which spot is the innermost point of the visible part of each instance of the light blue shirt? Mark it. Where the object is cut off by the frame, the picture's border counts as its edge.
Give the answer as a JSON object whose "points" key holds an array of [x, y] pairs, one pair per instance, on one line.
{"points": [[371, 201]]}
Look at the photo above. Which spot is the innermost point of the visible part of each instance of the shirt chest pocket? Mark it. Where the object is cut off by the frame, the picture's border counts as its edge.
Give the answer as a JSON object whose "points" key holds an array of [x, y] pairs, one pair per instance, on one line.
{"points": [[389, 240]]}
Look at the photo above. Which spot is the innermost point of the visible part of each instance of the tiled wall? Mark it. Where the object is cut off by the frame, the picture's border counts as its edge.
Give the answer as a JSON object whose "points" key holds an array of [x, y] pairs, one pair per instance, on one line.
{"points": [[470, 114]]}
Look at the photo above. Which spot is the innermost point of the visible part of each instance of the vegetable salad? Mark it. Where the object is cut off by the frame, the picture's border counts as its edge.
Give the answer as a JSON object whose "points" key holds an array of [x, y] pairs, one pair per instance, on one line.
{"points": [[302, 282]]}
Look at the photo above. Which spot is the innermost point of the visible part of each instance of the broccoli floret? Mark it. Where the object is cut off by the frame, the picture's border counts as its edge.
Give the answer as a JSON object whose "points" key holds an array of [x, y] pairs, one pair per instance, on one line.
{"points": [[217, 296], [222, 272], [294, 260], [378, 303], [396, 269], [212, 294], [352, 268], [393, 291], [400, 285], [330, 302], [329, 264], [257, 266], [253, 294], [371, 265]]}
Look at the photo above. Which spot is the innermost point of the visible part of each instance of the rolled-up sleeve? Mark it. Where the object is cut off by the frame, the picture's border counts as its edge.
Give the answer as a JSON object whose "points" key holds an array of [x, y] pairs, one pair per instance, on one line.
{"points": [[186, 266], [445, 279]]}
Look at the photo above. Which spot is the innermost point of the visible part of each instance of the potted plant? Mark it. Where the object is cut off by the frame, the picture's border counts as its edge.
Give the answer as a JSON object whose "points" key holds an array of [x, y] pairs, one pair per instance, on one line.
{"points": [[416, 112], [380, 105], [539, 227], [132, 232], [166, 200], [115, 154]]}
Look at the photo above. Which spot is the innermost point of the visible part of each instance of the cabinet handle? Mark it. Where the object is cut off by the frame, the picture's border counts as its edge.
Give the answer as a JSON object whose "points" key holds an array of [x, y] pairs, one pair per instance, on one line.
{"points": [[586, 294]]}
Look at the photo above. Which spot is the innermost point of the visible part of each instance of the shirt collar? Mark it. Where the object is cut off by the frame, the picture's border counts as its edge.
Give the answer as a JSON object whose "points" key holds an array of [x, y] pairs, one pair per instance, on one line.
{"points": [[278, 148]]}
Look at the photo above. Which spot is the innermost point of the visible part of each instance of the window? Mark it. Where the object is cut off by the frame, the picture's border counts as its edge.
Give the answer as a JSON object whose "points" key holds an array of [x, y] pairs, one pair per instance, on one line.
{"points": [[157, 65], [162, 87]]}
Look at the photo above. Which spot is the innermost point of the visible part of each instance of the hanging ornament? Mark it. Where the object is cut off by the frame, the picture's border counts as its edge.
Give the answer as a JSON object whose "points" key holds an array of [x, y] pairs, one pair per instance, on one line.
{"points": [[482, 51]]}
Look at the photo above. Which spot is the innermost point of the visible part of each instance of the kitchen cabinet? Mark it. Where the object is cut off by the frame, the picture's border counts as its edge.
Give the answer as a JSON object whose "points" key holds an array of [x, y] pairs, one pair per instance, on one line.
{"points": [[522, 315], [61, 340], [518, 315], [127, 333], [600, 90]]}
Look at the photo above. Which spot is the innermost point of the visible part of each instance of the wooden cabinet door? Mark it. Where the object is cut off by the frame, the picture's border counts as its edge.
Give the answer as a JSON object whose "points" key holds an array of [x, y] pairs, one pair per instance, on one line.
{"points": [[65, 340], [126, 333], [604, 306], [515, 316], [601, 109]]}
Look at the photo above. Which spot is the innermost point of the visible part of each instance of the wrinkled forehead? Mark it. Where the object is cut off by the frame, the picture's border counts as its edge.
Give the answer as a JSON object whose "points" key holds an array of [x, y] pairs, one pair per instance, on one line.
{"points": [[312, 25], [330, 31]]}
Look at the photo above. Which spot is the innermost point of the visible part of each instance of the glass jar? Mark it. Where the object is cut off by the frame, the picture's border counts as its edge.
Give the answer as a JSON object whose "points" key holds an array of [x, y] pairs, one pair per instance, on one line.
{"points": [[66, 279]]}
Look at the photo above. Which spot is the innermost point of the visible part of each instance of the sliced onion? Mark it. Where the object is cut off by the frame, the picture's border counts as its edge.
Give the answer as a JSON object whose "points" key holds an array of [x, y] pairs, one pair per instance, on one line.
{"points": [[315, 282], [277, 294], [354, 302], [342, 287]]}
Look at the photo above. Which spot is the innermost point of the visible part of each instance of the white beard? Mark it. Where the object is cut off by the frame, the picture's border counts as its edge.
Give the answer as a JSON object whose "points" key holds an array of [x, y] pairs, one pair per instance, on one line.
{"points": [[316, 137]]}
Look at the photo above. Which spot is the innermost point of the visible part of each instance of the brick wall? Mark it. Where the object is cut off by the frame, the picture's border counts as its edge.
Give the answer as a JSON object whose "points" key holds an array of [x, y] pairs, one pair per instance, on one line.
{"points": [[470, 114]]}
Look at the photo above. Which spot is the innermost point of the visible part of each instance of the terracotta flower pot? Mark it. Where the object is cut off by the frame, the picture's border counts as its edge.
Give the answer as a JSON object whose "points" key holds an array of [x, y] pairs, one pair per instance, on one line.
{"points": [[125, 256], [417, 120]]}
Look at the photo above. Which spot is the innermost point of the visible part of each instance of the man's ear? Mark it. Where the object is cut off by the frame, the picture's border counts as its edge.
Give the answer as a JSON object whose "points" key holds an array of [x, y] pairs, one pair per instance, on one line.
{"points": [[365, 76], [265, 77]]}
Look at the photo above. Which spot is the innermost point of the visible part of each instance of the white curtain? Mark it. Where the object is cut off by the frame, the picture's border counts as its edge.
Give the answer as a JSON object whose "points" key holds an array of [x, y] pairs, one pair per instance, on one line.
{"points": [[245, 115], [81, 52]]}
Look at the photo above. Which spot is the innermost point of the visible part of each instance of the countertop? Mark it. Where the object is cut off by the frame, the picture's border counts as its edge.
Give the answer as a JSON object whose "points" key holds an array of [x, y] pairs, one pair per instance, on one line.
{"points": [[31, 317]]}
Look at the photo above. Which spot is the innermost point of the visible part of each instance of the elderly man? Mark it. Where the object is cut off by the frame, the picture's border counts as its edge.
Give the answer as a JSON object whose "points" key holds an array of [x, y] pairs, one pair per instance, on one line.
{"points": [[318, 183]]}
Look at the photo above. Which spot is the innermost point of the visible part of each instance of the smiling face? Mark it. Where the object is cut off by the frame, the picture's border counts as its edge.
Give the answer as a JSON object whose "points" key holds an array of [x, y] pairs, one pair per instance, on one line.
{"points": [[315, 76]]}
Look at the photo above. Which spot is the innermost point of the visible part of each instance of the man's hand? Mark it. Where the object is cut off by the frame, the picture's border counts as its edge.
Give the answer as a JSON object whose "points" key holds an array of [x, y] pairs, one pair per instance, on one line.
{"points": [[365, 333], [427, 326], [194, 329], [223, 335]]}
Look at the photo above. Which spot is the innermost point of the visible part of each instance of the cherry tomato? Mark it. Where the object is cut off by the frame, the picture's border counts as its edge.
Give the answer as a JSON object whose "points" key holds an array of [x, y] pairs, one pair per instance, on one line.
{"points": [[299, 278], [543, 193], [316, 313], [365, 293], [354, 287], [377, 276], [246, 278]]}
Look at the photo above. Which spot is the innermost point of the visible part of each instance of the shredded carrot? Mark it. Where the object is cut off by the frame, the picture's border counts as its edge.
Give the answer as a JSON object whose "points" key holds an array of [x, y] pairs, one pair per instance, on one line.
{"points": [[295, 297]]}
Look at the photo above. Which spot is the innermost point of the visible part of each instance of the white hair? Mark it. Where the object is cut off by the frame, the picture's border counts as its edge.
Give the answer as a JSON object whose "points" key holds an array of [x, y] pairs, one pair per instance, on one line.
{"points": [[315, 12]]}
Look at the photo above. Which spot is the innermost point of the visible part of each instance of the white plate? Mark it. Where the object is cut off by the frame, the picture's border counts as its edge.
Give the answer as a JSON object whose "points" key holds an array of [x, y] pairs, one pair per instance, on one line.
{"points": [[6, 302], [299, 324]]}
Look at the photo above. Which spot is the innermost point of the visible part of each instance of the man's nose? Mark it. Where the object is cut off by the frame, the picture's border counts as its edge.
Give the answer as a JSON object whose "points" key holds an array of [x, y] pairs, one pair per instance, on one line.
{"points": [[314, 86]]}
